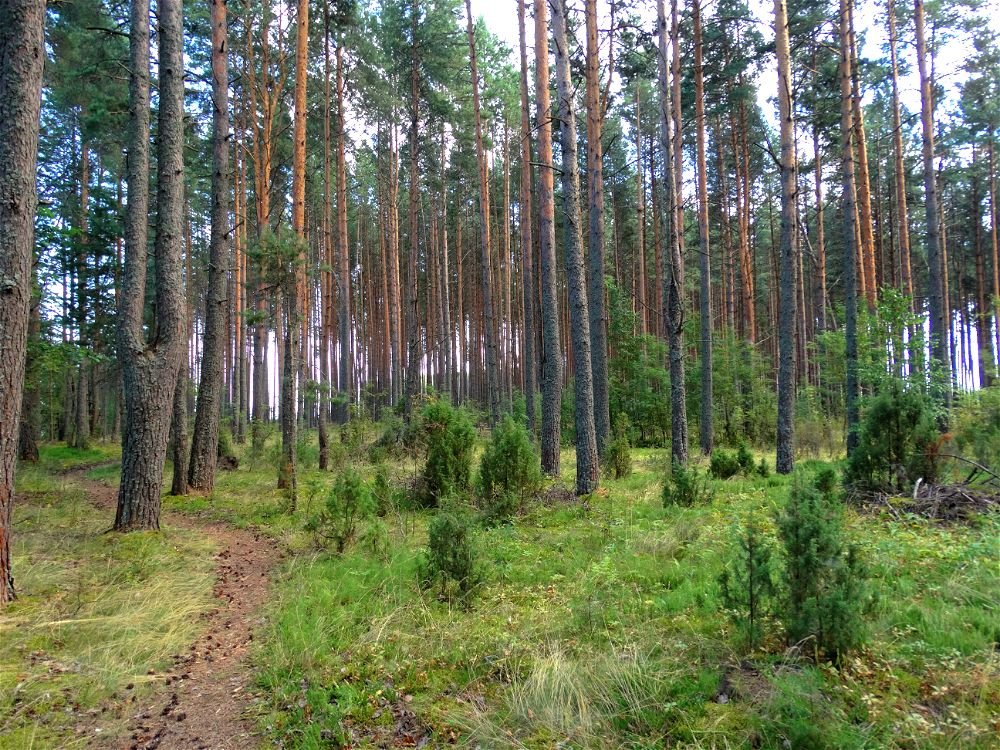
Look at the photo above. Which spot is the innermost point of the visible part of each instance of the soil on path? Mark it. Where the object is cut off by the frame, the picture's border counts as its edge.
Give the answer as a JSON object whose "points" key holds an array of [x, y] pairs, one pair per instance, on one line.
{"points": [[202, 701]]}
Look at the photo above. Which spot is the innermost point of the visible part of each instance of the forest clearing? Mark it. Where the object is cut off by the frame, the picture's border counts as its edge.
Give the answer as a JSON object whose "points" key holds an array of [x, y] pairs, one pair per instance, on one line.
{"points": [[539, 374]]}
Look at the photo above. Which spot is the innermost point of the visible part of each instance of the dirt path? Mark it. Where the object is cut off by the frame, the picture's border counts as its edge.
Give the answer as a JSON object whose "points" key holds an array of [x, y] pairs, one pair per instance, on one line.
{"points": [[203, 700]]}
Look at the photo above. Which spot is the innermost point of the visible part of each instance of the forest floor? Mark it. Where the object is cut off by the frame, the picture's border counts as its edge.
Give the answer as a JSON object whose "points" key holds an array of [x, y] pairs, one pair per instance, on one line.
{"points": [[598, 624]]}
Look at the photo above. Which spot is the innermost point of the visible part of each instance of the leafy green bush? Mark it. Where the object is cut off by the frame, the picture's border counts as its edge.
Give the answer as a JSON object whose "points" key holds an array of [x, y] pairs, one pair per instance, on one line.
{"points": [[976, 426], [747, 581], [685, 486], [450, 558], [386, 495], [897, 443], [450, 439], [723, 464], [510, 472], [348, 503], [824, 577], [617, 459]]}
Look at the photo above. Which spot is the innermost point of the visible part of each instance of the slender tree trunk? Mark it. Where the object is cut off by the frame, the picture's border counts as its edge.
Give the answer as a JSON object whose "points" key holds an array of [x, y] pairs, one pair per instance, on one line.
{"points": [[551, 353], [704, 259], [991, 176], [850, 231], [587, 463], [673, 280], [640, 221], [327, 255], [529, 360], [935, 293], [81, 432], [865, 224], [179, 435], [22, 52], [595, 200], [897, 144], [343, 250], [29, 437], [414, 349], [786, 307], [205, 439], [150, 370], [820, 281]]}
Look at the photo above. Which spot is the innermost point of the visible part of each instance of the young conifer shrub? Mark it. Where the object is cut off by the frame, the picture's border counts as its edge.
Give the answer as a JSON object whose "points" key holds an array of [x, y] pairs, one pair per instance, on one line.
{"points": [[617, 460], [349, 504], [824, 577], [450, 439], [685, 486], [450, 558], [723, 464], [509, 474], [747, 582]]}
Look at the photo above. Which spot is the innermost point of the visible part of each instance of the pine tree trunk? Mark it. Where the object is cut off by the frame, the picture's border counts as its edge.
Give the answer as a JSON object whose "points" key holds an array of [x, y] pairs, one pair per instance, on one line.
{"points": [[897, 144], [413, 347], [786, 308], [673, 280], [551, 353], [704, 258], [205, 439], [343, 250], [28, 438], [863, 180], [150, 371], [595, 200], [22, 51], [178, 435], [81, 432], [529, 360]]}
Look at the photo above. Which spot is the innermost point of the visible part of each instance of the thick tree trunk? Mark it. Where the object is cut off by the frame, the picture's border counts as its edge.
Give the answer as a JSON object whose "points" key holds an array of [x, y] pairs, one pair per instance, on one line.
{"points": [[587, 463], [551, 352], [786, 308], [850, 230], [205, 440], [595, 200], [673, 280], [22, 52], [935, 268], [529, 361], [704, 258], [149, 372]]}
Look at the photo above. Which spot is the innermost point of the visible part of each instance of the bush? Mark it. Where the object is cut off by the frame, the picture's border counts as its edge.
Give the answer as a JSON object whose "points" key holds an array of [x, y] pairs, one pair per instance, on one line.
{"points": [[685, 486], [348, 503], [745, 459], [747, 582], [510, 472], [723, 464], [617, 459], [897, 443], [450, 558], [824, 578], [977, 426], [450, 440], [387, 497]]}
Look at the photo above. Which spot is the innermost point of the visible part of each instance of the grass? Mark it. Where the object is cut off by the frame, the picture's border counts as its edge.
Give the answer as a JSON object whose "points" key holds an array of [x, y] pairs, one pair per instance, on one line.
{"points": [[97, 614], [599, 625]]}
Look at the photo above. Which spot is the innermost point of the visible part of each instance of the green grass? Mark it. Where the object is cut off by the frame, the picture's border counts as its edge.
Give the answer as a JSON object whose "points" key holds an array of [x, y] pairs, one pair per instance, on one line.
{"points": [[600, 626], [96, 612]]}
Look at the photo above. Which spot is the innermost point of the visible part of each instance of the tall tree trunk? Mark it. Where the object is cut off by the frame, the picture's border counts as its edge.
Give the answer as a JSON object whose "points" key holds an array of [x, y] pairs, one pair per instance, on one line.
{"points": [[820, 302], [587, 463], [935, 277], [205, 439], [492, 373], [413, 348], [850, 231], [867, 247], [29, 437], [673, 281], [704, 259], [994, 214], [327, 257], [149, 371], [595, 200], [551, 352], [786, 307], [81, 432], [179, 434], [982, 308], [529, 360], [22, 51], [897, 144], [640, 221], [343, 250]]}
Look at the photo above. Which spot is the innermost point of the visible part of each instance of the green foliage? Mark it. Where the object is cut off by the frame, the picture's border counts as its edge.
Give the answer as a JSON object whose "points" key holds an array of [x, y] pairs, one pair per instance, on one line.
{"points": [[824, 577], [724, 464], [387, 496], [685, 486], [450, 440], [897, 443], [510, 472], [617, 460], [745, 404], [348, 504], [450, 558], [976, 426], [747, 581]]}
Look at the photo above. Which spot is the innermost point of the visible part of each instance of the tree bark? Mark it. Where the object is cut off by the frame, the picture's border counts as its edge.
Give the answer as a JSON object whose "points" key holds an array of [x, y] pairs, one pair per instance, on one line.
{"points": [[529, 366], [897, 144], [785, 459], [673, 279], [205, 439], [178, 435], [149, 371], [587, 463], [551, 352], [22, 52], [704, 258], [343, 250]]}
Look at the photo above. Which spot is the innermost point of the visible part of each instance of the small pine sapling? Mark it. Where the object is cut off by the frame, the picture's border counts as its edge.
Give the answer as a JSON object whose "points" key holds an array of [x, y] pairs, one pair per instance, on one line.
{"points": [[747, 582], [348, 504], [509, 474], [617, 461], [685, 486]]}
